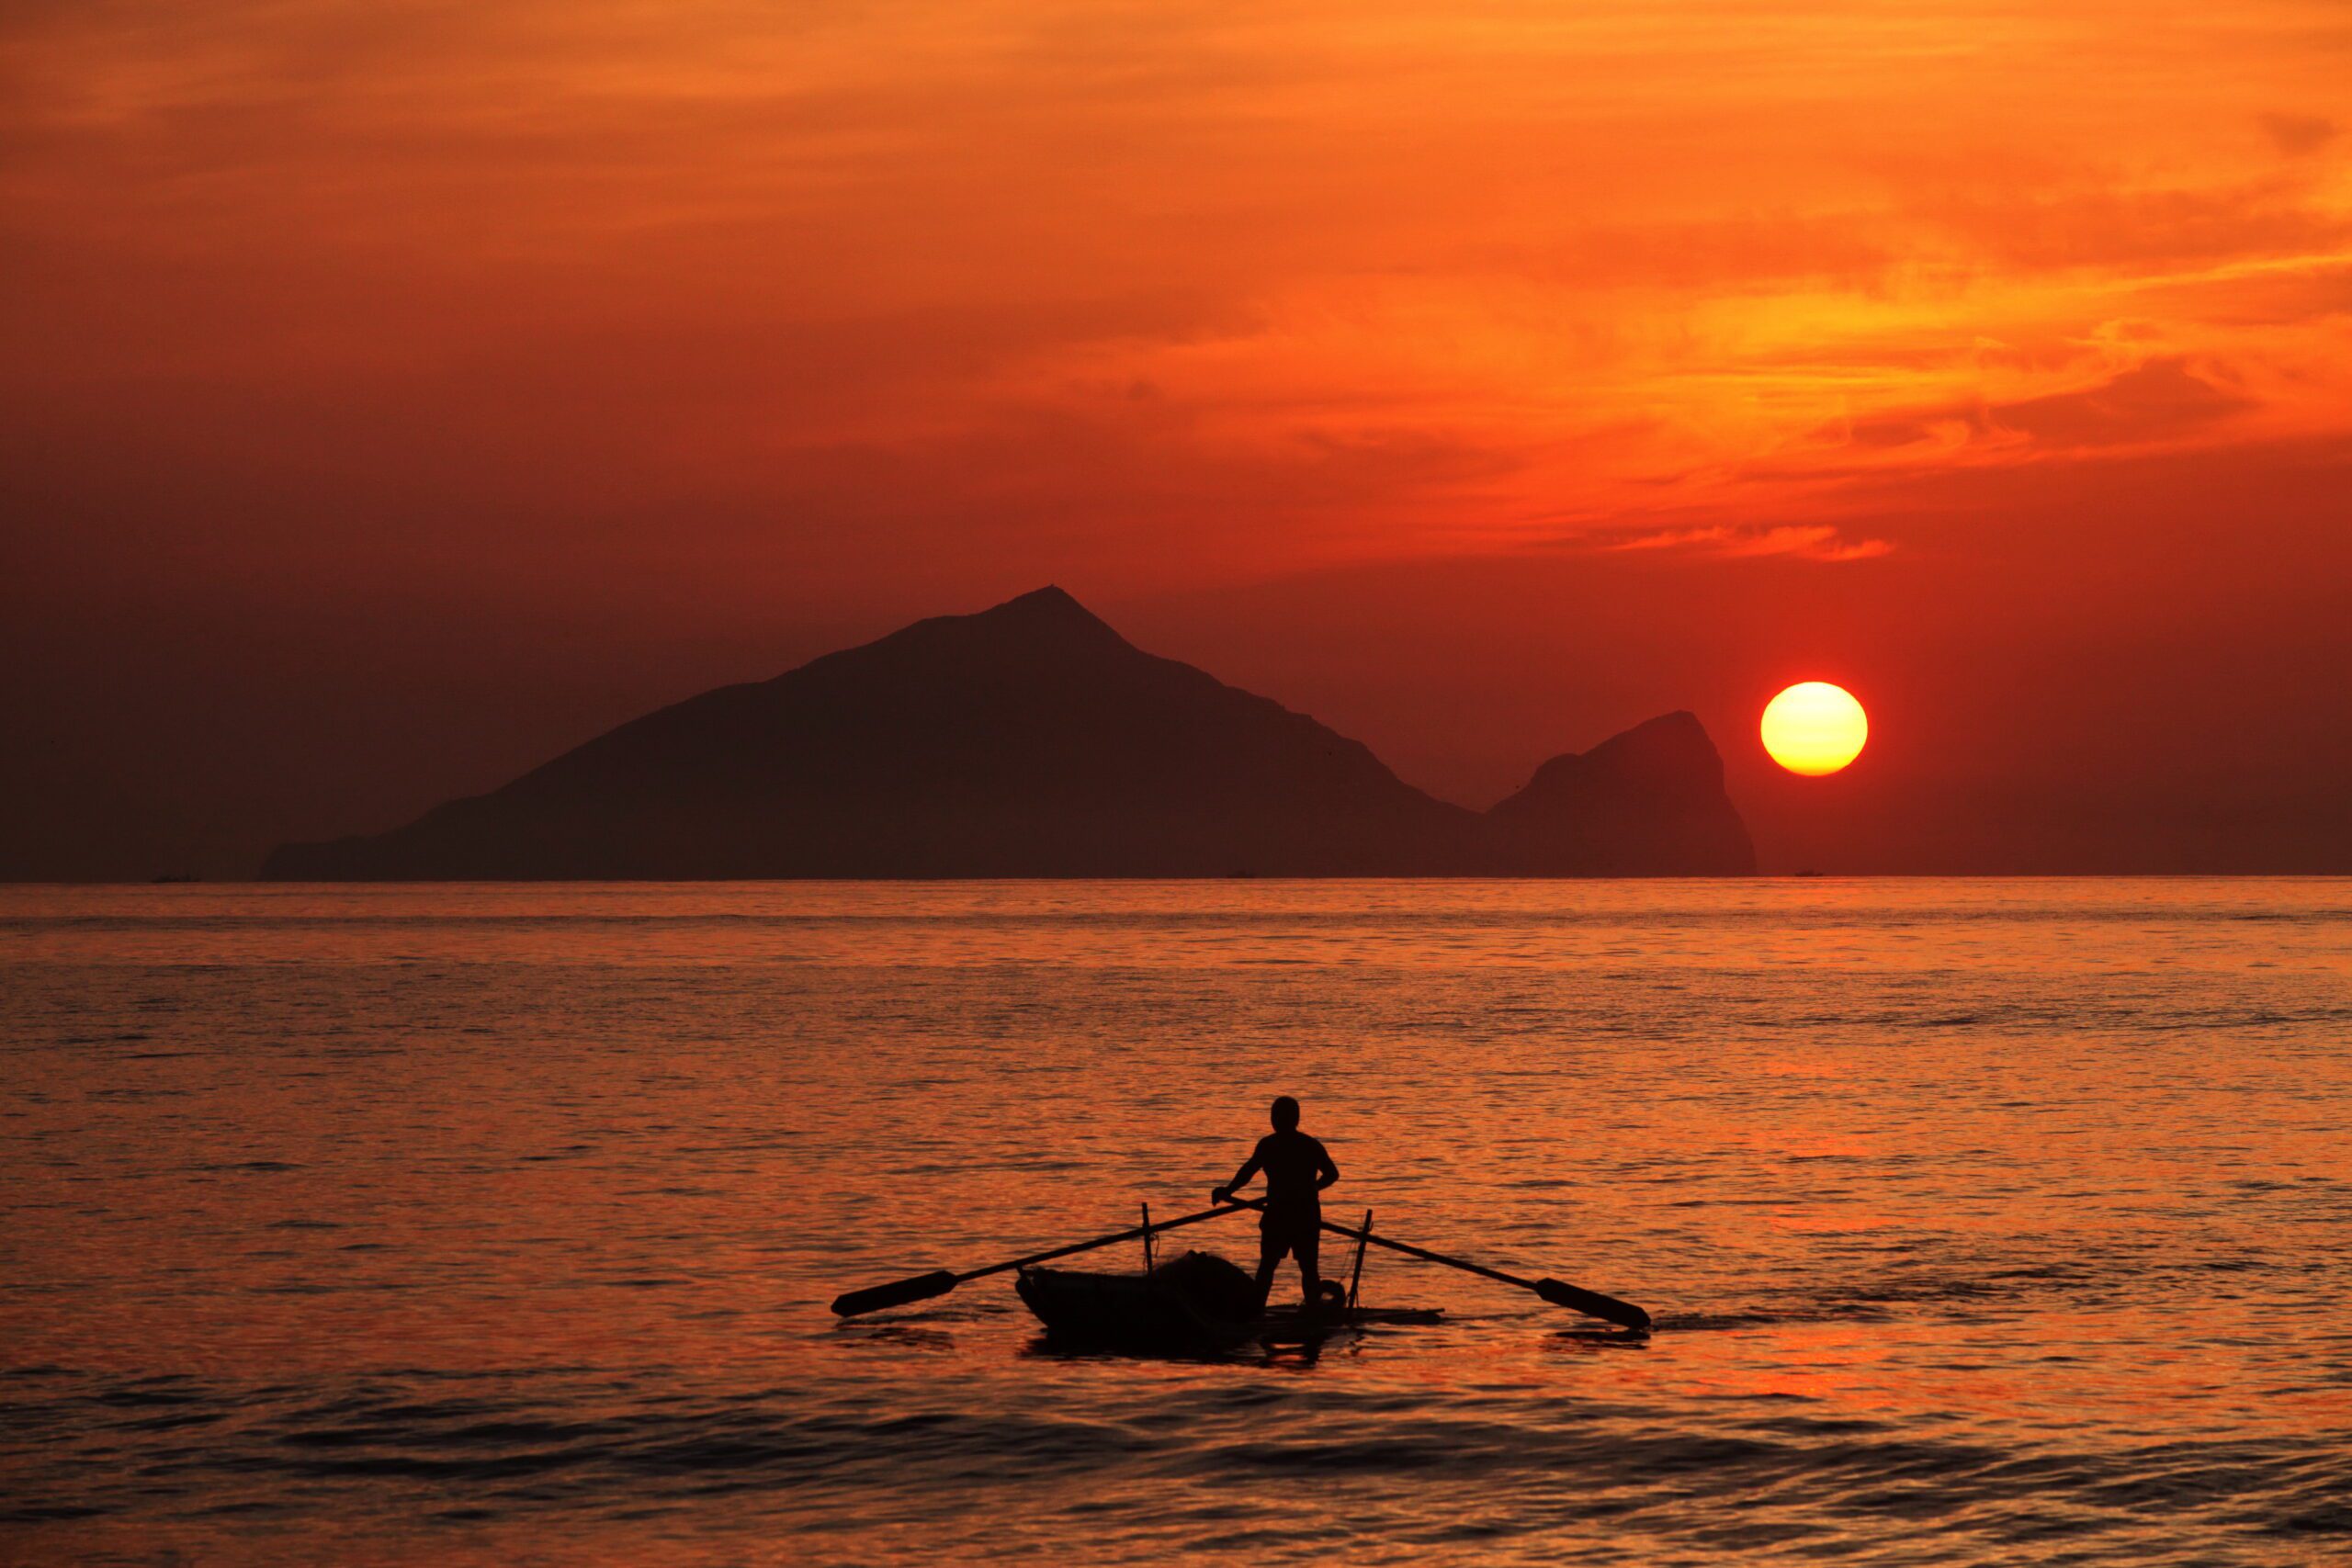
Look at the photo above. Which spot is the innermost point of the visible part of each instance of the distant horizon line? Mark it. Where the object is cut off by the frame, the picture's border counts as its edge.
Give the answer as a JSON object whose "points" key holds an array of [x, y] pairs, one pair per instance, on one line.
{"points": [[280, 884]]}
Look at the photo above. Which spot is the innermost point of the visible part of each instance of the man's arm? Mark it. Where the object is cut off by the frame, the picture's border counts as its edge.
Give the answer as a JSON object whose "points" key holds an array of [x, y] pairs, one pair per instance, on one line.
{"points": [[1326, 1172], [1240, 1178]]}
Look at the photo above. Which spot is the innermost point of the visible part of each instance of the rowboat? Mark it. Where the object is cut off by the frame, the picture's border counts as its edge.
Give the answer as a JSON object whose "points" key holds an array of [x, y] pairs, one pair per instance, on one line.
{"points": [[1121, 1306], [1197, 1301]]}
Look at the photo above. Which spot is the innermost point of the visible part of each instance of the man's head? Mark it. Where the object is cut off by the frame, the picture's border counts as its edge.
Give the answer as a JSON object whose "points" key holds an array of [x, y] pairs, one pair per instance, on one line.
{"points": [[1286, 1114]]}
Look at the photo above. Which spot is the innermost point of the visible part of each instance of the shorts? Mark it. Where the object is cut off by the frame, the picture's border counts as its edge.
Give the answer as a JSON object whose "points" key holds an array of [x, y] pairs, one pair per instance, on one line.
{"points": [[1301, 1236]]}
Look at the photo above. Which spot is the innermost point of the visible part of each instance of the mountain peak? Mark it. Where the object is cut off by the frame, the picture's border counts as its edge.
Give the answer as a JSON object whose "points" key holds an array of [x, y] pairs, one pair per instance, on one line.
{"points": [[1051, 603], [1047, 612], [1659, 785], [1671, 743]]}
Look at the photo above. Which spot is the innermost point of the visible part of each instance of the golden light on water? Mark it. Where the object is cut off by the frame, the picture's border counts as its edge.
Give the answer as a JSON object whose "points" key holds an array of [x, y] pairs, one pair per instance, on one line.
{"points": [[1815, 727]]}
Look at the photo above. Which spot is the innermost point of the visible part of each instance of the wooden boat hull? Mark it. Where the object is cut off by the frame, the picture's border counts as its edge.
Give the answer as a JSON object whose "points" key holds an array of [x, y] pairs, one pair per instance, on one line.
{"points": [[1144, 1312]]}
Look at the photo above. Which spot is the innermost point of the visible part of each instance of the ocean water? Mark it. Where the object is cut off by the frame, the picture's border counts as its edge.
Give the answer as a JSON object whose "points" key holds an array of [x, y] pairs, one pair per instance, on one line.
{"points": [[1983, 1220]]}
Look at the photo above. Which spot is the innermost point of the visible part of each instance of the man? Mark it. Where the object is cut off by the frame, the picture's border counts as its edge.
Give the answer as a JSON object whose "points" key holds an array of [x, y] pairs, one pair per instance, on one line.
{"points": [[1297, 1168]]}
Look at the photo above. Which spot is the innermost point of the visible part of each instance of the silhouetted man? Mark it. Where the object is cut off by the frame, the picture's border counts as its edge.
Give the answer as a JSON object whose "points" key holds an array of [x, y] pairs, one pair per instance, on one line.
{"points": [[1297, 1168]]}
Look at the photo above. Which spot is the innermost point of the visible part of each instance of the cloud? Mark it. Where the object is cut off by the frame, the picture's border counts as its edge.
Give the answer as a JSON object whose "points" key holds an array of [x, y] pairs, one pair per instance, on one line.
{"points": [[2292, 292], [2164, 399], [1400, 278], [1806, 541], [2138, 228], [2297, 134]]}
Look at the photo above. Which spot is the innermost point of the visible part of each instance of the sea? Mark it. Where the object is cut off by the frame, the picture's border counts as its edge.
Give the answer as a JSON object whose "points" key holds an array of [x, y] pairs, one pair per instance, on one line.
{"points": [[1981, 1220]]}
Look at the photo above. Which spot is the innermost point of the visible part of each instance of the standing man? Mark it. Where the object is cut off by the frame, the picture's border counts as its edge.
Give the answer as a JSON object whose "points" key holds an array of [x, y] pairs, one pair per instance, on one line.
{"points": [[1297, 1168]]}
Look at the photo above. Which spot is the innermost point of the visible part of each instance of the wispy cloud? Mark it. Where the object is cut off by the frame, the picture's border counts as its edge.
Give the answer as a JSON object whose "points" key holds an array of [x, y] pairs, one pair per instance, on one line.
{"points": [[1806, 541], [2297, 135], [2160, 400]]}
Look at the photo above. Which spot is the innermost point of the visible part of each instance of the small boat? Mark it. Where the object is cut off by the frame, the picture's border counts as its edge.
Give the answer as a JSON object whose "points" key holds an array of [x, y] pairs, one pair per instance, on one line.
{"points": [[1197, 1301]]}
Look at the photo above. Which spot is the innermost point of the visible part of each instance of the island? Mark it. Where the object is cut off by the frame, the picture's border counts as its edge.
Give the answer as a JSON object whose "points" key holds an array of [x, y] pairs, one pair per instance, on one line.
{"points": [[1033, 740]]}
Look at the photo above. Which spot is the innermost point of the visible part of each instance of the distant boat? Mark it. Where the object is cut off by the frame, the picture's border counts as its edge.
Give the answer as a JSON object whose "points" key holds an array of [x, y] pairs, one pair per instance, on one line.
{"points": [[176, 876]]}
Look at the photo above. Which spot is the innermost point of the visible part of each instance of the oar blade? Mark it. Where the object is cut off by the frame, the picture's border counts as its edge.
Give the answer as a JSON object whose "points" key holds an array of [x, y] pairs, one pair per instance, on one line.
{"points": [[900, 1293], [1592, 1304]]}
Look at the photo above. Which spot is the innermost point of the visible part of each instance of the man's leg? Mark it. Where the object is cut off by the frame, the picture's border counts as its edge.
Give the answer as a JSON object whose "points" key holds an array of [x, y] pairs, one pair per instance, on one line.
{"points": [[1270, 1247], [1308, 1245]]}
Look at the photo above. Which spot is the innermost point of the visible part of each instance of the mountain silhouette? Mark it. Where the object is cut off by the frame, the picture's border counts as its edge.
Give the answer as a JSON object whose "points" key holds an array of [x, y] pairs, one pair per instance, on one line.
{"points": [[1032, 740], [1647, 803]]}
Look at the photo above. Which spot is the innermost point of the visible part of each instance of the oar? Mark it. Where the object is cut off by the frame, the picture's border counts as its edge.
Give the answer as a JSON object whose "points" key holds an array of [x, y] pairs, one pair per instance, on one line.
{"points": [[1592, 1304], [922, 1287]]}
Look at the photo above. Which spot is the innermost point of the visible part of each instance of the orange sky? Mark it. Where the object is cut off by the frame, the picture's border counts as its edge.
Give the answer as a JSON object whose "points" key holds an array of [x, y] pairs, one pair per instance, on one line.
{"points": [[389, 396]]}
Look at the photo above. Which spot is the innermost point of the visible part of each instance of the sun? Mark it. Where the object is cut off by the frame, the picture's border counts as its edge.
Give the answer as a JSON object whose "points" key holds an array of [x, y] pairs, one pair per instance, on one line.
{"points": [[1815, 727]]}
